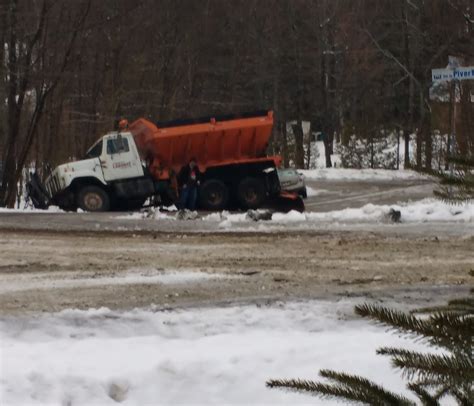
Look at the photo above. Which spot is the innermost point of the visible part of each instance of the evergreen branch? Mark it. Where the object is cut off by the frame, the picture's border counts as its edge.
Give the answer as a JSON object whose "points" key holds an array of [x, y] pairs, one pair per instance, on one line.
{"points": [[442, 368], [467, 301], [454, 198], [394, 319], [337, 391], [452, 325], [463, 399], [426, 398], [456, 179], [363, 384], [459, 310], [463, 306], [442, 392], [431, 376]]}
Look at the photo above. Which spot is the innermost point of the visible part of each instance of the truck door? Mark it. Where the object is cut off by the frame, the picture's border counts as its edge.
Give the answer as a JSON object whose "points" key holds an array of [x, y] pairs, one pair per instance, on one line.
{"points": [[120, 160]]}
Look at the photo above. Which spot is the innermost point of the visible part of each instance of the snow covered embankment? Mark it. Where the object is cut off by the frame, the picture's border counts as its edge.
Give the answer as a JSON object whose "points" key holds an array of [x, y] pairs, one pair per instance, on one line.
{"points": [[426, 210], [198, 356]]}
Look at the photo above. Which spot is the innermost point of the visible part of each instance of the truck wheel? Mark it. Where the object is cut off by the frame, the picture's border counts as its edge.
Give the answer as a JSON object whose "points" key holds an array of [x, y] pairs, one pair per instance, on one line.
{"points": [[213, 195], [251, 193], [93, 198]]}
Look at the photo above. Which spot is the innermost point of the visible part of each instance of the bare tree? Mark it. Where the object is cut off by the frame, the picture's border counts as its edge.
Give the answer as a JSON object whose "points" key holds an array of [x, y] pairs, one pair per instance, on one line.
{"points": [[32, 74]]}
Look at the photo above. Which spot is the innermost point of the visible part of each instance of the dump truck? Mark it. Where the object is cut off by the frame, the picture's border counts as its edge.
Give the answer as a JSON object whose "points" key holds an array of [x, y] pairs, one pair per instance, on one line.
{"points": [[141, 160]]}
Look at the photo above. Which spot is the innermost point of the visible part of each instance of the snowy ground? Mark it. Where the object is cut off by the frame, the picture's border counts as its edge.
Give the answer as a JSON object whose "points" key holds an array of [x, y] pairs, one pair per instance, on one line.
{"points": [[134, 276], [31, 209], [426, 210], [361, 174], [199, 356]]}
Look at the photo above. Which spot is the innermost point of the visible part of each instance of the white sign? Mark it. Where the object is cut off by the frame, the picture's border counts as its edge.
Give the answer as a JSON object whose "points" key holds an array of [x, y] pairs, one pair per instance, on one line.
{"points": [[442, 75]]}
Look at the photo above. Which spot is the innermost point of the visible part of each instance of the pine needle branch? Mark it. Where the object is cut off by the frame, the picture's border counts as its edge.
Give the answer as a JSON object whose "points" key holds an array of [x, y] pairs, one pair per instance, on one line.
{"points": [[463, 306], [363, 384], [354, 394], [426, 398], [440, 329], [464, 399], [447, 196], [436, 367], [395, 319]]}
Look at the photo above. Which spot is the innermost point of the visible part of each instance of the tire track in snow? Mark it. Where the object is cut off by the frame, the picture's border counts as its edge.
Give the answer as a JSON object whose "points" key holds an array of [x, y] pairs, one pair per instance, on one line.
{"points": [[361, 196]]}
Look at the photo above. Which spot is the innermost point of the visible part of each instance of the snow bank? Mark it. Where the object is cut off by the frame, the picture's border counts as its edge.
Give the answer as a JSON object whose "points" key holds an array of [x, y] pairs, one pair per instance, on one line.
{"points": [[31, 209], [153, 215], [198, 356], [412, 212], [361, 174]]}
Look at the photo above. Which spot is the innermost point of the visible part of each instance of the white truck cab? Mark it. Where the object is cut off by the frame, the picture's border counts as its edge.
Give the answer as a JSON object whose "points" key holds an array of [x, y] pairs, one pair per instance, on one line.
{"points": [[117, 156], [111, 172]]}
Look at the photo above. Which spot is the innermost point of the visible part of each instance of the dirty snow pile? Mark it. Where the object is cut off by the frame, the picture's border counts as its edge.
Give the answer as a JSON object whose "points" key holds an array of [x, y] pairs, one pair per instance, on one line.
{"points": [[426, 210], [31, 209], [361, 174], [412, 212], [198, 356], [152, 213]]}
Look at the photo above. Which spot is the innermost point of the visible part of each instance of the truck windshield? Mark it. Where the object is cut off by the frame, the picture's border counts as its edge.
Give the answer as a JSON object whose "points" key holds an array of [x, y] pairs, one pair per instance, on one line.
{"points": [[95, 151]]}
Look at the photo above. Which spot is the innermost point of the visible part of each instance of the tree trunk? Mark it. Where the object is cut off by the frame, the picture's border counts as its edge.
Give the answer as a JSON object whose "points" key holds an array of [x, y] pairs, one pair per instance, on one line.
{"points": [[308, 146], [328, 140], [421, 132], [284, 139], [299, 144], [406, 137], [428, 142]]}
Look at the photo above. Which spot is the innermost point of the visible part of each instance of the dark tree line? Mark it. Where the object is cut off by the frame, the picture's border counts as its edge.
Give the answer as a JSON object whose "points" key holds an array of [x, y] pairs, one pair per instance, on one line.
{"points": [[71, 69]]}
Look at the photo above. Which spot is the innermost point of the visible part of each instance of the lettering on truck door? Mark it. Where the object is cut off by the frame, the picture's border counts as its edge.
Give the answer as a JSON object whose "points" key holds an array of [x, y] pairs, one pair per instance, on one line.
{"points": [[120, 160]]}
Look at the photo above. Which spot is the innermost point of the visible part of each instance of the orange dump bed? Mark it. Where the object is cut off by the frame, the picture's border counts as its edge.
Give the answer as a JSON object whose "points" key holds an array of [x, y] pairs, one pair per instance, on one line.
{"points": [[214, 143]]}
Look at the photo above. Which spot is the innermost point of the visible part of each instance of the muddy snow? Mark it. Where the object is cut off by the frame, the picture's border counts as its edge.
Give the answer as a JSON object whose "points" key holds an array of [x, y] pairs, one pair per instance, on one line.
{"points": [[51, 271]]}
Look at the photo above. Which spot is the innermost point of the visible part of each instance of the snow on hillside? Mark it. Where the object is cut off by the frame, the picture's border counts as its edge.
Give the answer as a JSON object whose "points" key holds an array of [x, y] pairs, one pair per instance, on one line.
{"points": [[198, 356]]}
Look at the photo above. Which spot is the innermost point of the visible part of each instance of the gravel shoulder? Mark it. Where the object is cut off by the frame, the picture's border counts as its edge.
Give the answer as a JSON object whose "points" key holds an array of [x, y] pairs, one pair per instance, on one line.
{"points": [[54, 270]]}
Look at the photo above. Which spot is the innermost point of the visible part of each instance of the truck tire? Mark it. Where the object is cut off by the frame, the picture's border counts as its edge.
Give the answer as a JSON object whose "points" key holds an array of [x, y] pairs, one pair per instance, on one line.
{"points": [[251, 193], [213, 195], [93, 198]]}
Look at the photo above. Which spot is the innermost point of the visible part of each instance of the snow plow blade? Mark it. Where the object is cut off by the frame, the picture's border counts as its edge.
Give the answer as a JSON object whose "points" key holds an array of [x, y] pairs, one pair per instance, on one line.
{"points": [[37, 193], [286, 202]]}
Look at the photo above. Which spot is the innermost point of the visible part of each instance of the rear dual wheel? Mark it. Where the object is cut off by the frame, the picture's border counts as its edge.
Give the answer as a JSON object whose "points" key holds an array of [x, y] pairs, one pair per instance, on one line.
{"points": [[251, 193], [213, 195]]}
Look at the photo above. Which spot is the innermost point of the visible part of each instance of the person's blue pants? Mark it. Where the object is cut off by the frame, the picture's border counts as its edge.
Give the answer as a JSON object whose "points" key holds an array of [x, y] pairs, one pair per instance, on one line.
{"points": [[188, 198]]}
